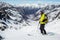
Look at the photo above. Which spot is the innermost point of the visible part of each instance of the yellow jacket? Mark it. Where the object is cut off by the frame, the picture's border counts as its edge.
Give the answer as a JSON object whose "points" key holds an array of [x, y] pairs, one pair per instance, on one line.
{"points": [[42, 18]]}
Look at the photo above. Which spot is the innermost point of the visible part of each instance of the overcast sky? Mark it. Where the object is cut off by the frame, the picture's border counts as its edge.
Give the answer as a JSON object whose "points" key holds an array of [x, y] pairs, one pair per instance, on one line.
{"points": [[30, 1]]}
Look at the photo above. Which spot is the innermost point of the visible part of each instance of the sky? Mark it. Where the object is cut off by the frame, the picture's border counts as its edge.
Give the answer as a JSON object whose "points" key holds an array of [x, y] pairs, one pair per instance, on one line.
{"points": [[30, 1]]}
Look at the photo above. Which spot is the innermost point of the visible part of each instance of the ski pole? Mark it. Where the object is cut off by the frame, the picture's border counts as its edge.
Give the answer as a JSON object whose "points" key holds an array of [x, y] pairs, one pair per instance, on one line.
{"points": [[38, 26]]}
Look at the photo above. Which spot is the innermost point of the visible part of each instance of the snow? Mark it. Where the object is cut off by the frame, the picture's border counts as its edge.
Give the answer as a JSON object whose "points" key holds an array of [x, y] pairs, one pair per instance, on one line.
{"points": [[28, 5], [22, 31], [54, 26], [32, 32]]}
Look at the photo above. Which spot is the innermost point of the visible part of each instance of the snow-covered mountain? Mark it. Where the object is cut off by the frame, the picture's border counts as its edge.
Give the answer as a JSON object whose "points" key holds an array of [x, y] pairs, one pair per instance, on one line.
{"points": [[10, 15], [3, 4], [19, 17], [52, 11], [16, 15], [28, 5]]}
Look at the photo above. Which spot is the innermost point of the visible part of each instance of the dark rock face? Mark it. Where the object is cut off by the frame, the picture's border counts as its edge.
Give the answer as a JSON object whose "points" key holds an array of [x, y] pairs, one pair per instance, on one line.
{"points": [[1, 37]]}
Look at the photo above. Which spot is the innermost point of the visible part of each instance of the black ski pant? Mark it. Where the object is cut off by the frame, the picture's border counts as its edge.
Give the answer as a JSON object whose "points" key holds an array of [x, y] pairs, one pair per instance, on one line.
{"points": [[42, 26]]}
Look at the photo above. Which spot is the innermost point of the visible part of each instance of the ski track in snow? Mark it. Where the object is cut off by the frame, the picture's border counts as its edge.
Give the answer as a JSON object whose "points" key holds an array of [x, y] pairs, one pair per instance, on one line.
{"points": [[29, 33]]}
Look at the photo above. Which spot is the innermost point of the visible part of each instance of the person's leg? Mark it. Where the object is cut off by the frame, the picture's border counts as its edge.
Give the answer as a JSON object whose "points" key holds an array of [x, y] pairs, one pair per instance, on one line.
{"points": [[41, 28], [44, 29], [41, 31]]}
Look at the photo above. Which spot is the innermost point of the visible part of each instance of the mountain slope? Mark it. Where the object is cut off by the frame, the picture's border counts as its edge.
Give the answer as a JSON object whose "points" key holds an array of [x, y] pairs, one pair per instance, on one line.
{"points": [[33, 33]]}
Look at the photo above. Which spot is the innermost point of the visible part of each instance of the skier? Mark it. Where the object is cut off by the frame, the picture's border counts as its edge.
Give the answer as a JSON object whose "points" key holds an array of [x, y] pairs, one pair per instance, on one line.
{"points": [[43, 20]]}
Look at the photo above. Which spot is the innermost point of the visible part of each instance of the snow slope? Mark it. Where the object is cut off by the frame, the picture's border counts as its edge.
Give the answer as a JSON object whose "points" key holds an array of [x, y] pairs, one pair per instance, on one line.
{"points": [[32, 32]]}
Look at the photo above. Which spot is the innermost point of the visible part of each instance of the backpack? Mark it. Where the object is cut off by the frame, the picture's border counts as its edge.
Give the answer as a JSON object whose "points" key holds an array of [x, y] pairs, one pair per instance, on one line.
{"points": [[46, 18]]}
